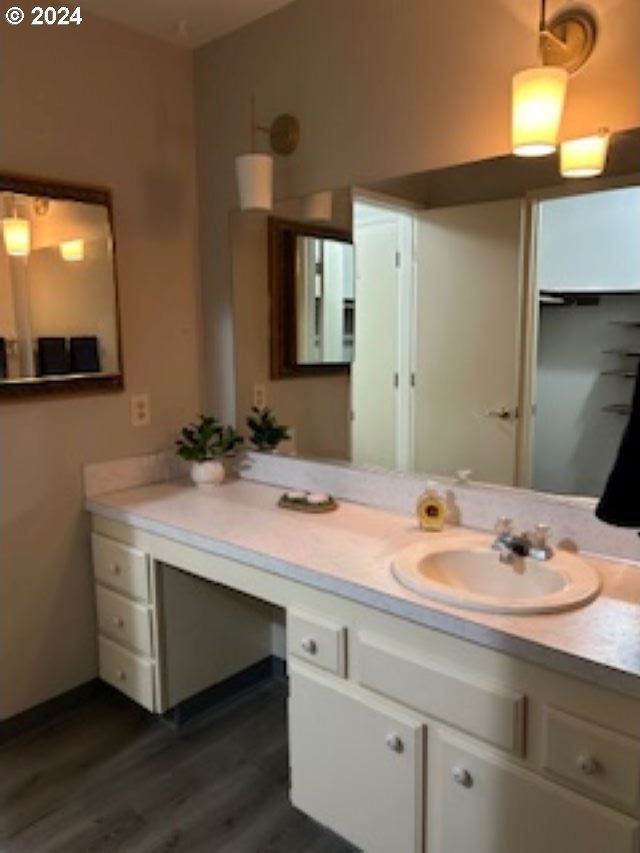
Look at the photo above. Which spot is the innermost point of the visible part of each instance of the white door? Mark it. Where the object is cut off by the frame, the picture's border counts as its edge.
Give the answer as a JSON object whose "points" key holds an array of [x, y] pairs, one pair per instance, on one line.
{"points": [[467, 350], [374, 372], [355, 766], [479, 802]]}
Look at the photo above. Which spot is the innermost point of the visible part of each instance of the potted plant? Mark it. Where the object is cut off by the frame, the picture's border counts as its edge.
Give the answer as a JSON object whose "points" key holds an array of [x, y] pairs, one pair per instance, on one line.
{"points": [[265, 431], [203, 444]]}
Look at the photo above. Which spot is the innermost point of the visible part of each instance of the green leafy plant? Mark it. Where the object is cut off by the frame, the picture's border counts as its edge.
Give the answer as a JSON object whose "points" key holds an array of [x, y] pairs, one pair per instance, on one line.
{"points": [[206, 440], [266, 432]]}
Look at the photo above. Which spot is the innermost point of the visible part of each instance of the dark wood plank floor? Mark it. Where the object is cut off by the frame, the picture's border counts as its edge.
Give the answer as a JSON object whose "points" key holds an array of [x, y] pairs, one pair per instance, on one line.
{"points": [[109, 777]]}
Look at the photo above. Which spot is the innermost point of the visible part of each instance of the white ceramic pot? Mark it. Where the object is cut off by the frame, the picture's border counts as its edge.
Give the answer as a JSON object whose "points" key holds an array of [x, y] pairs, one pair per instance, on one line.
{"points": [[207, 474]]}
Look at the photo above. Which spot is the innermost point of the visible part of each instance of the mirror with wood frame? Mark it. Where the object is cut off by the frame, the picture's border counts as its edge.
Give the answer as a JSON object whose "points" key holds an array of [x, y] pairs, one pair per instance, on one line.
{"points": [[59, 325], [311, 283]]}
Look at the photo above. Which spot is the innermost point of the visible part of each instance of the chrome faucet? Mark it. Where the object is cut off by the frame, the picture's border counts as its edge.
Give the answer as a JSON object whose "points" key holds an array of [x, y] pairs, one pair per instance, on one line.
{"points": [[509, 545]]}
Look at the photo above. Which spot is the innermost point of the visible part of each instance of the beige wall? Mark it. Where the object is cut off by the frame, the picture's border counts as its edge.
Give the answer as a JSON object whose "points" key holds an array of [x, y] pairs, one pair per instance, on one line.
{"points": [[102, 106], [381, 88]]}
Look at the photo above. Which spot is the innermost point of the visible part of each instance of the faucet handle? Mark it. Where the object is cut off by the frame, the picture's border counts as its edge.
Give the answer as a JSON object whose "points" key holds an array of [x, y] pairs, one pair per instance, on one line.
{"points": [[503, 526], [540, 535]]}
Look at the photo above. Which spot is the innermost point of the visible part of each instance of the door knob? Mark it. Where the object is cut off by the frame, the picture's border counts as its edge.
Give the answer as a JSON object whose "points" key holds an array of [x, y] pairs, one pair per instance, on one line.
{"points": [[462, 777], [309, 645], [394, 742]]}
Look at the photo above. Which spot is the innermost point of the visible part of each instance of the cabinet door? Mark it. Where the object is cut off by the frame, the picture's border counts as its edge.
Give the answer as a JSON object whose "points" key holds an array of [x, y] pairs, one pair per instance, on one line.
{"points": [[356, 765], [481, 803]]}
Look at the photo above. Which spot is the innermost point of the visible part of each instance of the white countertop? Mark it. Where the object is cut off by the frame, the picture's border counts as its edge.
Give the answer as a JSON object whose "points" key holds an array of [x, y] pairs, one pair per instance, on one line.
{"points": [[347, 552]]}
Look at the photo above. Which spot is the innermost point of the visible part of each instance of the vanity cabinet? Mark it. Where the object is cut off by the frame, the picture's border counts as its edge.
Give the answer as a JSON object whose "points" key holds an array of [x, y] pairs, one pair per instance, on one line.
{"points": [[420, 749], [480, 802], [403, 739], [127, 620], [356, 763], [165, 635]]}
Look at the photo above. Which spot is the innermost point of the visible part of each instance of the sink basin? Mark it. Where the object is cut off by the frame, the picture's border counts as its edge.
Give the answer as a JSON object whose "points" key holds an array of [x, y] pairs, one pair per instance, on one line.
{"points": [[469, 574]]}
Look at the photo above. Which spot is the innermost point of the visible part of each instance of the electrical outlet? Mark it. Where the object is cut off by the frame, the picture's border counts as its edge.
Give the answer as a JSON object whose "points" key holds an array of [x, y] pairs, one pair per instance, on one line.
{"points": [[140, 410], [259, 396]]}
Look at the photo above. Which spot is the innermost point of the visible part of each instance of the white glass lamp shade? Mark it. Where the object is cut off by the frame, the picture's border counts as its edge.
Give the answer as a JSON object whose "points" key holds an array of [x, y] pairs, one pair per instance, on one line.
{"points": [[584, 157], [318, 207], [17, 236], [255, 181], [536, 112], [72, 250]]}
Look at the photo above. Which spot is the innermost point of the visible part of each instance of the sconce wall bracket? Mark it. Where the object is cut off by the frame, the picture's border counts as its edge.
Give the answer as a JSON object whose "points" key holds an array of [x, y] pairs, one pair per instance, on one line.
{"points": [[284, 134], [568, 39]]}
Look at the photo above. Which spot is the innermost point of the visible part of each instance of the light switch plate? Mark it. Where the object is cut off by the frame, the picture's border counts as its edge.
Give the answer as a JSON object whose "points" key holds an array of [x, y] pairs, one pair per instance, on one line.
{"points": [[140, 410]]}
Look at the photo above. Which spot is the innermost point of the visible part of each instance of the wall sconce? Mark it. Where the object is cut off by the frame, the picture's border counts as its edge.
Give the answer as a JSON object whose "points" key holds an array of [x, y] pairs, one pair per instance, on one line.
{"points": [[565, 43], [72, 250], [255, 171], [17, 236], [584, 157]]}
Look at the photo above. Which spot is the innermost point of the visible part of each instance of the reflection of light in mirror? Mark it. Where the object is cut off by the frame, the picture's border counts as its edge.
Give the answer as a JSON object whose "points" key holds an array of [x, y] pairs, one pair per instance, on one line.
{"points": [[584, 157], [72, 250], [538, 101], [17, 236]]}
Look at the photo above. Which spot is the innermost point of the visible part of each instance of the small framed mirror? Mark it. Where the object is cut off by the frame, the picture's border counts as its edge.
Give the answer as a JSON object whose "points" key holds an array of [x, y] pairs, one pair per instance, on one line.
{"points": [[312, 289], [59, 324]]}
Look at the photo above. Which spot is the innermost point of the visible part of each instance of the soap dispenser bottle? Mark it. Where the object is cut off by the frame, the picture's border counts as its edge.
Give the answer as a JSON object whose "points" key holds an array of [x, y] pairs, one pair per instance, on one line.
{"points": [[431, 509]]}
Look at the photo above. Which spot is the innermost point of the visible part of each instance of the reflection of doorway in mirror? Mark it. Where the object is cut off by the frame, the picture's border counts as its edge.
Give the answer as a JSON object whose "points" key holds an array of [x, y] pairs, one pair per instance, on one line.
{"points": [[587, 346], [382, 371], [434, 383]]}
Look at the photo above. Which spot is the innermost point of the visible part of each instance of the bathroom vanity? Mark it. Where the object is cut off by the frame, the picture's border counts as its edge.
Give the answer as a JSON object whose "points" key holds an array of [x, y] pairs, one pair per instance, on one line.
{"points": [[413, 726]]}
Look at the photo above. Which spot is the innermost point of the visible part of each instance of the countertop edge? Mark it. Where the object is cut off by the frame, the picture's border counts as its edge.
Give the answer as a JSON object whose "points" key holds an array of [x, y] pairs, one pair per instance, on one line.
{"points": [[422, 614]]}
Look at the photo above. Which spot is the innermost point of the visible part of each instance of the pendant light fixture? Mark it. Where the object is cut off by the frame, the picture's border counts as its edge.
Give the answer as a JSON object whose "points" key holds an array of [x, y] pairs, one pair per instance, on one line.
{"points": [[584, 157], [16, 233], [72, 250], [254, 171], [564, 43]]}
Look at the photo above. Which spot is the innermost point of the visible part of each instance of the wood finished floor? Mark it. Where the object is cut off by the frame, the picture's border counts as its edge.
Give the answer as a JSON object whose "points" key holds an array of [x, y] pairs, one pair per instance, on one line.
{"points": [[109, 777]]}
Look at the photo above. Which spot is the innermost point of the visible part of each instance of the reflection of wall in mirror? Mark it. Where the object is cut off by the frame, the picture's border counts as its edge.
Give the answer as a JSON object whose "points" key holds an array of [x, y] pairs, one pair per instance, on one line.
{"points": [[317, 408], [75, 298]]}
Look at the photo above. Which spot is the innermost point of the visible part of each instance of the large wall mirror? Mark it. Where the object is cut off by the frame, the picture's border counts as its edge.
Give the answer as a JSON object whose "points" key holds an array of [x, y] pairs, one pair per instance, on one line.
{"points": [[497, 327], [311, 282], [59, 329]]}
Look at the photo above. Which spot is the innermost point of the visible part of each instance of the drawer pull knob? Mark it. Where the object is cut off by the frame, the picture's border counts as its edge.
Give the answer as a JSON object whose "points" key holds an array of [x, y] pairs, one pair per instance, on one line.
{"points": [[118, 622], [462, 777], [394, 742], [121, 675], [309, 645], [114, 568], [588, 764]]}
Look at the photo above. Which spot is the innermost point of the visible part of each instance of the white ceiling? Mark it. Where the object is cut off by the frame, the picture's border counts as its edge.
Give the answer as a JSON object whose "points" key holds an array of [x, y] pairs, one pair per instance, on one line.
{"points": [[203, 19]]}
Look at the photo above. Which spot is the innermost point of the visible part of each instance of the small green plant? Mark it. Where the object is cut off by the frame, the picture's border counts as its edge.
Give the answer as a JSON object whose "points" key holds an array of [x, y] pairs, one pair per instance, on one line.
{"points": [[208, 439], [266, 432]]}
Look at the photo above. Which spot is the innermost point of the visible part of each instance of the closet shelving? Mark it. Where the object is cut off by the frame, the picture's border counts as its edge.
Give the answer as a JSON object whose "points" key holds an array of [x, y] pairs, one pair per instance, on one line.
{"points": [[623, 372]]}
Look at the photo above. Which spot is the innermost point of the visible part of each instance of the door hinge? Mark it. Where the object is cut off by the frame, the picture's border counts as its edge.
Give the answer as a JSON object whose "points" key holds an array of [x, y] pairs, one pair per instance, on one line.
{"points": [[396, 380], [398, 260], [412, 380]]}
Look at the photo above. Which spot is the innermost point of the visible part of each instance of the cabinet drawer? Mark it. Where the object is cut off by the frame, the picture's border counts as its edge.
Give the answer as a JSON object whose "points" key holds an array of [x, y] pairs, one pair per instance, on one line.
{"points": [[127, 672], [124, 620], [317, 640], [597, 760], [438, 690], [480, 802], [120, 566]]}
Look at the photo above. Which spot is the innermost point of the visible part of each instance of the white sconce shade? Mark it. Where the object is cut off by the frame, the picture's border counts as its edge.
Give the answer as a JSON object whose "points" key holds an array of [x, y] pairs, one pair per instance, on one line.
{"points": [[255, 181], [537, 104], [318, 207], [72, 250], [17, 236], [584, 157]]}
